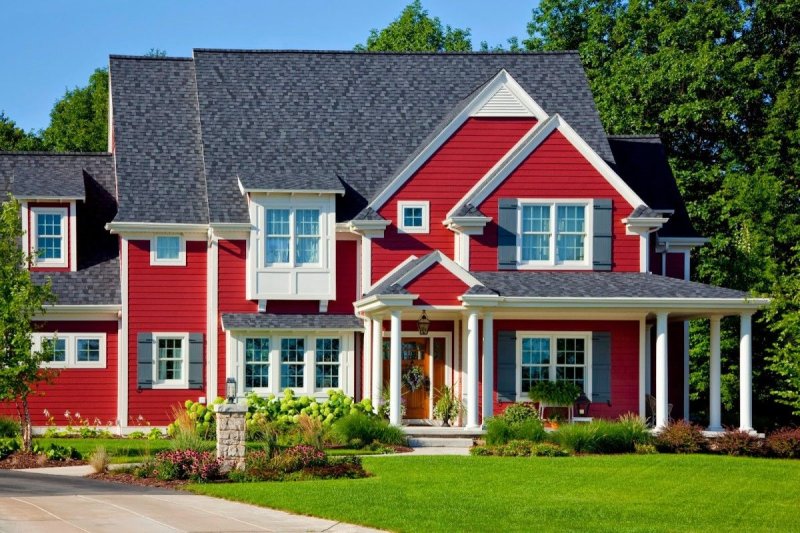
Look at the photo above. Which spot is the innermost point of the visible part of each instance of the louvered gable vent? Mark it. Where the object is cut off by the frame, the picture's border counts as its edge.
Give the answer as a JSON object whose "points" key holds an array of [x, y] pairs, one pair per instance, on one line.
{"points": [[503, 103]]}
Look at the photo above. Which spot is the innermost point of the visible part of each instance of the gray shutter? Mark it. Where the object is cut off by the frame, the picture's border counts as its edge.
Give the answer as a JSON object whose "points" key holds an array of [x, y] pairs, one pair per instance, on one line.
{"points": [[603, 224], [506, 366], [144, 361], [601, 366], [507, 234], [195, 360]]}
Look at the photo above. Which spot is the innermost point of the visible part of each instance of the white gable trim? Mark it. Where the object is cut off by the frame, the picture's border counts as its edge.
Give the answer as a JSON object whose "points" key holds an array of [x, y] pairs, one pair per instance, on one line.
{"points": [[529, 142], [502, 79], [389, 274], [438, 257]]}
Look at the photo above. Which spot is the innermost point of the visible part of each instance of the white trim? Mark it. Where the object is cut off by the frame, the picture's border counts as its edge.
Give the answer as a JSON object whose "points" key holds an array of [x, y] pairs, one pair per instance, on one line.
{"points": [[369, 228], [73, 237], [156, 261], [652, 304], [424, 206], [182, 383], [392, 271], [438, 257], [66, 246], [503, 78], [212, 301], [122, 338], [265, 190], [644, 252], [71, 348], [643, 354], [366, 361], [365, 249], [522, 149], [149, 227], [553, 336], [553, 263]]}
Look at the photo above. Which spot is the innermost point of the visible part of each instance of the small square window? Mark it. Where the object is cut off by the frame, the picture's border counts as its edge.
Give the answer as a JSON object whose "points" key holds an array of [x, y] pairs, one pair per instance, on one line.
{"points": [[88, 350], [55, 350], [168, 250], [413, 217]]}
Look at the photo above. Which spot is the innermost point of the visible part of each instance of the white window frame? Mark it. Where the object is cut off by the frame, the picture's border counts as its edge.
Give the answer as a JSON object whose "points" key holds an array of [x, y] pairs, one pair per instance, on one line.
{"points": [[346, 361], [554, 336], [182, 383], [63, 212], [292, 209], [71, 347], [424, 205], [554, 263], [337, 365], [156, 261]]}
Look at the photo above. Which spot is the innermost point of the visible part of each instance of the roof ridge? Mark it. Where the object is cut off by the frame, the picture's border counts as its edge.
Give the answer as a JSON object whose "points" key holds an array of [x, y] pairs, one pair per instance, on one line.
{"points": [[388, 53], [149, 58], [635, 136], [40, 152]]}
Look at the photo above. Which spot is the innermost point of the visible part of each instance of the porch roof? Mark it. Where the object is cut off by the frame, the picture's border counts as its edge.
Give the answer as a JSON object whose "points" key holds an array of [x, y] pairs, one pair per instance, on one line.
{"points": [[239, 321]]}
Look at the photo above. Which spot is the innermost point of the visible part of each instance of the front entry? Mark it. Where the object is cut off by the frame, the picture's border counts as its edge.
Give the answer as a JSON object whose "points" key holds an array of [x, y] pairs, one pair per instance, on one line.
{"points": [[420, 376]]}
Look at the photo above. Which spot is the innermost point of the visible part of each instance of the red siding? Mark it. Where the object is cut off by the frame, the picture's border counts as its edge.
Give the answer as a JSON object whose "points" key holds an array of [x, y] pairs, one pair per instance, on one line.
{"points": [[443, 180], [162, 299], [556, 170], [437, 286], [91, 392], [624, 359], [675, 265]]}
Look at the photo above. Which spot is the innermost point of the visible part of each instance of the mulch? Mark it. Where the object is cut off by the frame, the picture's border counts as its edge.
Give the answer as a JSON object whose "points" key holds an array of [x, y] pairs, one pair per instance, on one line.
{"points": [[130, 479], [31, 460]]}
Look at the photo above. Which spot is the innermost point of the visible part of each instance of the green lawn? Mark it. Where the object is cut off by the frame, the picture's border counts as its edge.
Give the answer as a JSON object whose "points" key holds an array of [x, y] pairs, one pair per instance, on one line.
{"points": [[121, 450], [589, 493]]}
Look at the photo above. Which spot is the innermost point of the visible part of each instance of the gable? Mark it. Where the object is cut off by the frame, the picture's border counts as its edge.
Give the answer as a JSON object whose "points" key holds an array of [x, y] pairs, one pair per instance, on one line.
{"points": [[504, 103], [437, 286]]}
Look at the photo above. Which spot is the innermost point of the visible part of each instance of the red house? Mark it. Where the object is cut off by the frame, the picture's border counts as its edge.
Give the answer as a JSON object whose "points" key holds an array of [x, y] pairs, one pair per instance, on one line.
{"points": [[287, 219]]}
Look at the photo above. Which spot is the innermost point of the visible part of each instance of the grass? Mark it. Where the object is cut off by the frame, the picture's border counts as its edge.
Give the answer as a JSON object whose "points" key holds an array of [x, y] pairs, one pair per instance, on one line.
{"points": [[588, 493], [119, 450]]}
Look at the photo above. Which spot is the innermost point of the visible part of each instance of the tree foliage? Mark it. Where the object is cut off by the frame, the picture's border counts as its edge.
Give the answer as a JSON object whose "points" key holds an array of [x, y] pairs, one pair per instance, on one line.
{"points": [[415, 31], [79, 121], [20, 301], [13, 138], [719, 81]]}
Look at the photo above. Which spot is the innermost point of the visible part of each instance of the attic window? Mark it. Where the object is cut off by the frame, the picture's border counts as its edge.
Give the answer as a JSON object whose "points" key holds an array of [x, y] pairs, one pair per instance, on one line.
{"points": [[168, 250], [49, 237], [413, 217]]}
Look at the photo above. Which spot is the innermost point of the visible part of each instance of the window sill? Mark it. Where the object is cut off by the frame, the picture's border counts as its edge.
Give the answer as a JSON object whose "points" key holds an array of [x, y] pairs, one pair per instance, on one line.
{"points": [[171, 386], [560, 266]]}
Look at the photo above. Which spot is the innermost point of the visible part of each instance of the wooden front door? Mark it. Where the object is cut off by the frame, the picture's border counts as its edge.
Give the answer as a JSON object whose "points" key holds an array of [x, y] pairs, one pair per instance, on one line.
{"points": [[414, 354]]}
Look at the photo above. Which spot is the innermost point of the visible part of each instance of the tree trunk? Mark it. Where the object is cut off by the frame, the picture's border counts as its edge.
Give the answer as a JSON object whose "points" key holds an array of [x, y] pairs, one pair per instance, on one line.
{"points": [[26, 426]]}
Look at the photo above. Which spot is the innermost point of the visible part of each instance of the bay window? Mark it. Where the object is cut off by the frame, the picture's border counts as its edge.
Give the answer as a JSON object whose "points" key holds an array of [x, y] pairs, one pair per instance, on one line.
{"points": [[554, 233], [553, 357]]}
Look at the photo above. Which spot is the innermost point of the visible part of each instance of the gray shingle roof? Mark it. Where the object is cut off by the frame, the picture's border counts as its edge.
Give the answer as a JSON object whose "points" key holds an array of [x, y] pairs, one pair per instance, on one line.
{"points": [[368, 214], [276, 321], [96, 284], [157, 141], [355, 115], [468, 210], [643, 211], [31, 175], [310, 183], [598, 285]]}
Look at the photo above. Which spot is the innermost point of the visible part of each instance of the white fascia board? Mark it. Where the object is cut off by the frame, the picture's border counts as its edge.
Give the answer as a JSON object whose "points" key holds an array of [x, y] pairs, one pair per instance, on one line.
{"points": [[478, 101], [651, 304], [326, 329], [255, 190], [525, 146], [60, 199], [467, 225], [438, 257], [154, 227], [389, 274], [683, 241], [230, 230], [380, 303], [645, 222], [80, 312]]}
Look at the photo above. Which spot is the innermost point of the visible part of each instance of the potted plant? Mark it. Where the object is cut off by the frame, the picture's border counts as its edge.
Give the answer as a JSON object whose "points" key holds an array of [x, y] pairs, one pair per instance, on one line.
{"points": [[447, 406], [554, 394]]}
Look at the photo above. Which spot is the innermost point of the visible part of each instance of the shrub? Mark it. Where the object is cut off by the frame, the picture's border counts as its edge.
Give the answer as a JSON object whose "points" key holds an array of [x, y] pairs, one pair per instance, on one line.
{"points": [[287, 410], [681, 437], [99, 459], [307, 455], [338, 468], [577, 438], [520, 412], [645, 449], [785, 443], [186, 464], [298, 462], [736, 442], [520, 448], [311, 431], [9, 427], [8, 446], [448, 406], [500, 431], [603, 436], [362, 430], [55, 452], [136, 435], [555, 392]]}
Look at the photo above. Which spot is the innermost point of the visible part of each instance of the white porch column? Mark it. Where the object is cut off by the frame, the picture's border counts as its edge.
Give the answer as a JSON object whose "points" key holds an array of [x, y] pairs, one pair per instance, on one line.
{"points": [[377, 361], [488, 366], [472, 369], [746, 373], [714, 373], [366, 361], [662, 408], [395, 369]]}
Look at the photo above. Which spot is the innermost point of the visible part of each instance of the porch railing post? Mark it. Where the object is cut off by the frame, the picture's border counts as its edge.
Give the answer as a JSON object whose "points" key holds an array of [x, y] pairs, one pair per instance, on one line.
{"points": [[395, 369]]}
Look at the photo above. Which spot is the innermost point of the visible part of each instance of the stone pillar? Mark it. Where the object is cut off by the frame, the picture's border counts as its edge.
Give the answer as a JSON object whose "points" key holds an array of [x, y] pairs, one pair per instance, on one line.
{"points": [[231, 435]]}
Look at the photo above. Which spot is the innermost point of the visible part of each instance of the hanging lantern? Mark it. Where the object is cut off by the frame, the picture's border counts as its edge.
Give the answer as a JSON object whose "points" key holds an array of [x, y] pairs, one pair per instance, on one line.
{"points": [[423, 324]]}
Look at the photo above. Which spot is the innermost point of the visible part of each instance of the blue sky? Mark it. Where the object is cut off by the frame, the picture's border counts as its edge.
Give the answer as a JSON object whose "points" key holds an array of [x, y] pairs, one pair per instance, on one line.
{"points": [[49, 46]]}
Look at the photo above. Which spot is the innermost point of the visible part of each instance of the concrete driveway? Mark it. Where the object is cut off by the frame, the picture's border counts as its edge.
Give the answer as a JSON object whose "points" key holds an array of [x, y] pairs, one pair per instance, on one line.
{"points": [[32, 502]]}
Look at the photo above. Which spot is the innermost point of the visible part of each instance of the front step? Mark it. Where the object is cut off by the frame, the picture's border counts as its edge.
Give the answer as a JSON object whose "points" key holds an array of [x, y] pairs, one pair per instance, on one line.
{"points": [[439, 442]]}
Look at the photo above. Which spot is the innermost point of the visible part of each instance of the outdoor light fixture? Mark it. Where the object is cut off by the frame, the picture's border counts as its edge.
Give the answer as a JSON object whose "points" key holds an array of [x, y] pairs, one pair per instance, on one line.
{"points": [[230, 390], [423, 324], [582, 404]]}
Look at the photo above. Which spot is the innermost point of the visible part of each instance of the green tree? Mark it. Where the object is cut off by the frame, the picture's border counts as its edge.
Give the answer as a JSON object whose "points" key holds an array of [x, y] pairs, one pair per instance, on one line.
{"points": [[13, 138], [415, 31], [79, 121], [718, 80], [20, 300]]}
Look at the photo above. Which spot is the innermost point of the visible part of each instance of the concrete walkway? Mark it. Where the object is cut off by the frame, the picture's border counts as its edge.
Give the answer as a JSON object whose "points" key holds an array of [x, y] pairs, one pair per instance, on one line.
{"points": [[59, 501]]}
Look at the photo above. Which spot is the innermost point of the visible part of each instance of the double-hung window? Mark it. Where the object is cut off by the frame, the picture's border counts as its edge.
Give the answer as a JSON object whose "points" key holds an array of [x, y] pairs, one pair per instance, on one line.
{"points": [[554, 234], [327, 363], [553, 357], [292, 237], [168, 250], [170, 359], [293, 361], [71, 350], [50, 236], [256, 363]]}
